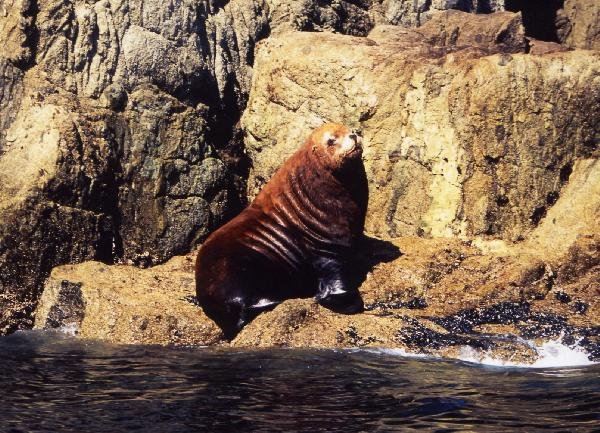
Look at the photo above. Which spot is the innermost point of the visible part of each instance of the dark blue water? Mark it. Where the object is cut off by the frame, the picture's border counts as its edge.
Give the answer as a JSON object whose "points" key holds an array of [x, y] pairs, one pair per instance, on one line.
{"points": [[51, 383]]}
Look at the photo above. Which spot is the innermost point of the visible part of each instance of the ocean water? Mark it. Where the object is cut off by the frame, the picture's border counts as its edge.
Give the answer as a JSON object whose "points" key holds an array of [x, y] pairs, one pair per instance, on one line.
{"points": [[50, 382]]}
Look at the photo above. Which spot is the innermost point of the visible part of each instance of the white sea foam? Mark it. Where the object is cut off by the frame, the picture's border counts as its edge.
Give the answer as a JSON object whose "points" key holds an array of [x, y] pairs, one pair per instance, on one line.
{"points": [[551, 354], [71, 329]]}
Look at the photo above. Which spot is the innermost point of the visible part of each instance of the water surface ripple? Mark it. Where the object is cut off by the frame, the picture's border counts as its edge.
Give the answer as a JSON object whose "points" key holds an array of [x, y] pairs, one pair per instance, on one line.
{"points": [[56, 384]]}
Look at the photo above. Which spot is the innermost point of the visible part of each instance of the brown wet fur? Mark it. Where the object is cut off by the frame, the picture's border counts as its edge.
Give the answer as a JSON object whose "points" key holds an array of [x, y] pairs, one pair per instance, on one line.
{"points": [[294, 240]]}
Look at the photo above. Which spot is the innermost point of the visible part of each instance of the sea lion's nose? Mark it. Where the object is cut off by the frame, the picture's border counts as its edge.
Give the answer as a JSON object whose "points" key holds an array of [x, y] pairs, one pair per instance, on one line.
{"points": [[356, 137]]}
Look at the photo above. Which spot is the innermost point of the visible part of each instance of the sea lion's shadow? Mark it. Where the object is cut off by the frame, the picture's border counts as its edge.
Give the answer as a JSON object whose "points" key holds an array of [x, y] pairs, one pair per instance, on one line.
{"points": [[369, 252]]}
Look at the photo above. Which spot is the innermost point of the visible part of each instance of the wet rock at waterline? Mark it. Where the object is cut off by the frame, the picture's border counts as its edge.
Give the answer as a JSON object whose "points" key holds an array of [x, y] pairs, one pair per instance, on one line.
{"points": [[434, 296]]}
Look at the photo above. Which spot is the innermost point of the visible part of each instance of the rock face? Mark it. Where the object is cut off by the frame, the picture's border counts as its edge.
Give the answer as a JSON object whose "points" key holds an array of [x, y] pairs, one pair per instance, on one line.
{"points": [[464, 139], [481, 151]]}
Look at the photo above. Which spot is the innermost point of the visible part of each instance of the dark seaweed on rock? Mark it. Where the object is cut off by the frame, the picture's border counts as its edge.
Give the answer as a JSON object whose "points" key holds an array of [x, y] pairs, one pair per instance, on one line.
{"points": [[421, 337], [503, 313], [563, 297], [580, 307], [530, 325], [411, 304]]}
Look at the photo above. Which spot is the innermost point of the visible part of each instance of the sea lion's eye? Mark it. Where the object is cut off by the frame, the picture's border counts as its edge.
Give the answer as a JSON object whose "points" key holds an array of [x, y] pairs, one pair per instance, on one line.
{"points": [[331, 141]]}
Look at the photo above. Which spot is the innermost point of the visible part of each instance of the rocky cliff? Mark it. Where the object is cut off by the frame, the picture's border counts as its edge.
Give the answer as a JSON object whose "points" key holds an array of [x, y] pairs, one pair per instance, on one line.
{"points": [[117, 136], [120, 143]]}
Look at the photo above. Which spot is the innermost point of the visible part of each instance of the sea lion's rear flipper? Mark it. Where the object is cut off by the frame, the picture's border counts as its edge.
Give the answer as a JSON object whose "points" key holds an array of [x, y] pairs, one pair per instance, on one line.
{"points": [[334, 291], [238, 314], [340, 300]]}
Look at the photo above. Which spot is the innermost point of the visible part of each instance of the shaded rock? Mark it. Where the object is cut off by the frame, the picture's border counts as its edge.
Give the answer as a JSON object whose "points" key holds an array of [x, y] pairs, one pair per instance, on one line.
{"points": [[29, 249], [11, 92], [450, 151], [410, 13], [579, 24], [112, 303], [352, 17], [162, 143], [539, 17]]}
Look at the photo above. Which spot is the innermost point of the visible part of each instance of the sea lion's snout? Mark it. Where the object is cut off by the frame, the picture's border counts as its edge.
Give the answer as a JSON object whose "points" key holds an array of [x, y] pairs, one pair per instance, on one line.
{"points": [[352, 144], [357, 137]]}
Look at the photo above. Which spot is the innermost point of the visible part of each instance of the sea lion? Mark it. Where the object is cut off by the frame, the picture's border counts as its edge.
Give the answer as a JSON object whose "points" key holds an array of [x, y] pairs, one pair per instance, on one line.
{"points": [[294, 240]]}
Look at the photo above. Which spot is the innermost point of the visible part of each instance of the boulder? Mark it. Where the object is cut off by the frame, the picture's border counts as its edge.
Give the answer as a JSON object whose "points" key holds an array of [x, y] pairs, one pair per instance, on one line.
{"points": [[126, 305]]}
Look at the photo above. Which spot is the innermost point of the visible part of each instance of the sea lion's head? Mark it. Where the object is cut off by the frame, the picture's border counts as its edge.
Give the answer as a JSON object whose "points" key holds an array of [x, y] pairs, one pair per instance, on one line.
{"points": [[336, 145]]}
